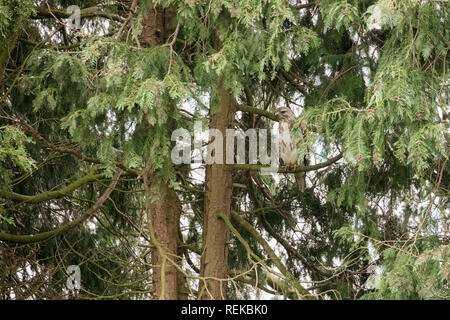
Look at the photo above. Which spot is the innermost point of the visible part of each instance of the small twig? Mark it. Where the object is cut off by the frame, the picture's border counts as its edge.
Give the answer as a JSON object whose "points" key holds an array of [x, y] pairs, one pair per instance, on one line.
{"points": [[130, 15], [351, 109], [51, 13], [171, 44], [429, 207]]}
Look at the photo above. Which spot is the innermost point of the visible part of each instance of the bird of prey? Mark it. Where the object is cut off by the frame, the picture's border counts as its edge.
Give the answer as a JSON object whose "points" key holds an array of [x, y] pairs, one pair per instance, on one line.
{"points": [[288, 145]]}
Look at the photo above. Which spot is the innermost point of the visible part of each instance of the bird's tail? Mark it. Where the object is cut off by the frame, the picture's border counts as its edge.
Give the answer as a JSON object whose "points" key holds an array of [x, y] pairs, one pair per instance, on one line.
{"points": [[300, 179]]}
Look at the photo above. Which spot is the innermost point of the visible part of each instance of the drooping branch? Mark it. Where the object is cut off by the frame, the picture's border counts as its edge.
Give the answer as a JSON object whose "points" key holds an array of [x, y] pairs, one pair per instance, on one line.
{"points": [[250, 279], [287, 246], [74, 152], [31, 238], [250, 254], [51, 146], [272, 280], [272, 255]]}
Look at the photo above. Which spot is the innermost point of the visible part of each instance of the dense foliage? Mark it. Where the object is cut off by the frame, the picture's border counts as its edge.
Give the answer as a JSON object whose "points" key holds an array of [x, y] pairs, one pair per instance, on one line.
{"points": [[369, 78]]}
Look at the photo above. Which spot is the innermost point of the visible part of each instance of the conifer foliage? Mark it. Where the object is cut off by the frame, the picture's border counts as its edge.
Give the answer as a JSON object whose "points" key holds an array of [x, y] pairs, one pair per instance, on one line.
{"points": [[87, 113]]}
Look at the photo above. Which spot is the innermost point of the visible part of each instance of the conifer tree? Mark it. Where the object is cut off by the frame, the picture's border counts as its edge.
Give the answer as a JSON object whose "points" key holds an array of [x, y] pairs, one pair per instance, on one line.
{"points": [[87, 113]]}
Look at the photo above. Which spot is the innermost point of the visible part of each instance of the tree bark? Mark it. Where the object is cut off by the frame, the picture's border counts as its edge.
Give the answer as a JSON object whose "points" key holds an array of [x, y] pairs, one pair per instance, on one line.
{"points": [[217, 200], [162, 204], [8, 43], [163, 213]]}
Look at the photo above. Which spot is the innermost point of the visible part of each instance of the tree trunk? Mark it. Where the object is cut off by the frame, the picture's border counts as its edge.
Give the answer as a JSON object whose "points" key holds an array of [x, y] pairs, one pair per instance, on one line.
{"points": [[163, 214], [162, 204], [217, 199], [8, 43]]}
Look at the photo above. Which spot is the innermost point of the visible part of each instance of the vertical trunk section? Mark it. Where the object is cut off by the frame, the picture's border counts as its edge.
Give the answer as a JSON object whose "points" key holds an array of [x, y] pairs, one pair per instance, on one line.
{"points": [[217, 199], [183, 290], [7, 45], [162, 204], [9, 40], [163, 215]]}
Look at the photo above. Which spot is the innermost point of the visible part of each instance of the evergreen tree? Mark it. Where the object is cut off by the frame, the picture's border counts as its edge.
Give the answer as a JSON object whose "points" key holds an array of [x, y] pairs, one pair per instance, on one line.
{"points": [[87, 114]]}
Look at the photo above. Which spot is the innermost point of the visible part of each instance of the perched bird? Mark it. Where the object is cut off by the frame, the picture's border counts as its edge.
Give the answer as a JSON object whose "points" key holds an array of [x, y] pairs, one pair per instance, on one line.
{"points": [[288, 145]]}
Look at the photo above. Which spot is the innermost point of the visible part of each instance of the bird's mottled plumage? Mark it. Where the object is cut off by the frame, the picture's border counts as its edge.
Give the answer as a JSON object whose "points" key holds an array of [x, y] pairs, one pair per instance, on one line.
{"points": [[287, 145]]}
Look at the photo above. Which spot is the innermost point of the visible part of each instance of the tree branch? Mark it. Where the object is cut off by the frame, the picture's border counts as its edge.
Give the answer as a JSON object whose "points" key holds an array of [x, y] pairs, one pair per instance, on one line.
{"points": [[84, 13], [258, 111], [76, 153], [292, 81], [304, 6], [257, 167], [272, 280], [52, 195], [31, 238], [66, 47], [272, 256]]}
